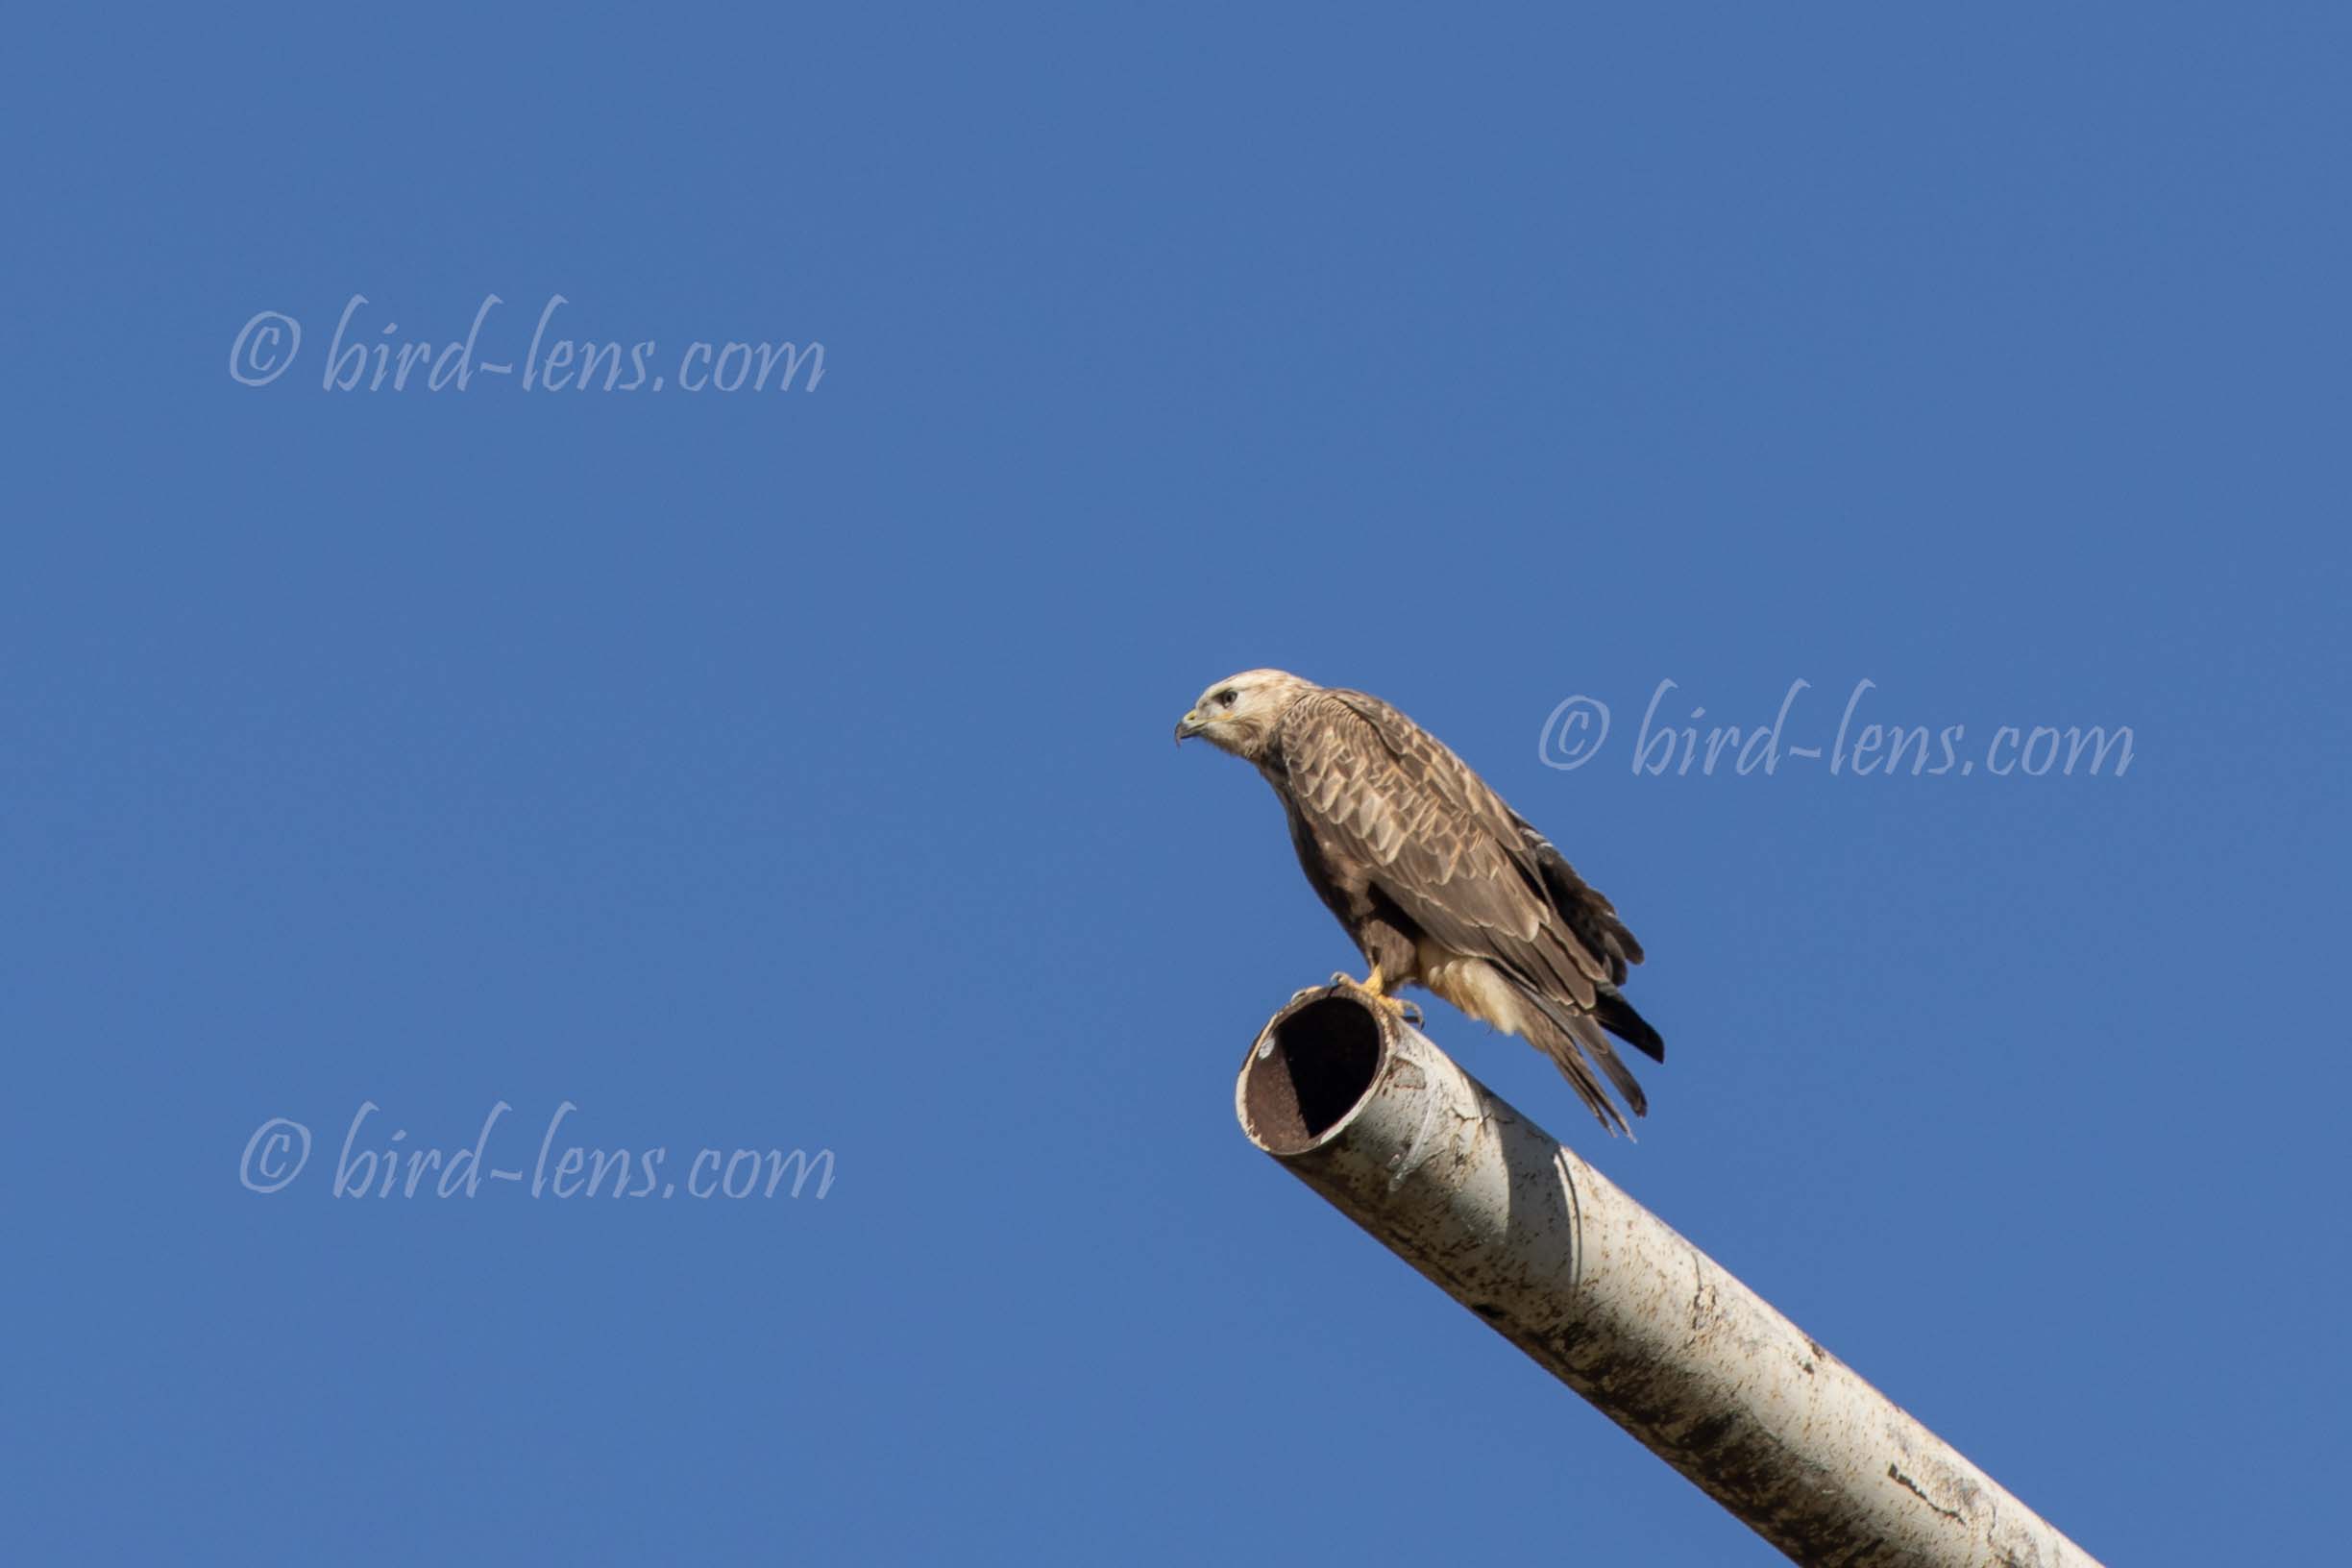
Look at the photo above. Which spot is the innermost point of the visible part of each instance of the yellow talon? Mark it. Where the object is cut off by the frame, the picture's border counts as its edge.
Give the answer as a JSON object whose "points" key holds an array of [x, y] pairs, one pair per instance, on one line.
{"points": [[1376, 988]]}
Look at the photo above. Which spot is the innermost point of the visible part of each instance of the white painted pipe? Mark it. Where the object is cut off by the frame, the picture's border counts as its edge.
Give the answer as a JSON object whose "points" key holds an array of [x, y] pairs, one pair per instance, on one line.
{"points": [[1609, 1300]]}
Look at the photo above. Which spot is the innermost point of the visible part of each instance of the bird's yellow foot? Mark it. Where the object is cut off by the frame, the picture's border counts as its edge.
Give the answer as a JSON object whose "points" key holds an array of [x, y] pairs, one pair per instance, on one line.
{"points": [[1376, 992]]}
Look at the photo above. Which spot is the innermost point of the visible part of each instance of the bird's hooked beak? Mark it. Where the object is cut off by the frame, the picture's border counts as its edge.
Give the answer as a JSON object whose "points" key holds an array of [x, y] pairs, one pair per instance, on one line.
{"points": [[1189, 725]]}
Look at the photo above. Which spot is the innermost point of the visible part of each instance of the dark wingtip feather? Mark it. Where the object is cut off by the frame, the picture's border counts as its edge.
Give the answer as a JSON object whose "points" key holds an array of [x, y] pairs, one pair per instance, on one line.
{"points": [[1616, 1014]]}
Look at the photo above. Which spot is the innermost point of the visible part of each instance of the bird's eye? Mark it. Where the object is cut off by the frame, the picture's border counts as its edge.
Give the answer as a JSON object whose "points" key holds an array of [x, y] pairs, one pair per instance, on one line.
{"points": [[1225, 697]]}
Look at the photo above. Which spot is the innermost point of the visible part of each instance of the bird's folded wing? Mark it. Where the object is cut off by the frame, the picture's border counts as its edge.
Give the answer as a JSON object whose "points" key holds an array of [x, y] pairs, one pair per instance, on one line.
{"points": [[1437, 841]]}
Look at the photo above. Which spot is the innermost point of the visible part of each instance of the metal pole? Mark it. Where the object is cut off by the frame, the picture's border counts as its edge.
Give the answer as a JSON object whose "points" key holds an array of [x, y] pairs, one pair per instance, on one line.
{"points": [[1611, 1301]]}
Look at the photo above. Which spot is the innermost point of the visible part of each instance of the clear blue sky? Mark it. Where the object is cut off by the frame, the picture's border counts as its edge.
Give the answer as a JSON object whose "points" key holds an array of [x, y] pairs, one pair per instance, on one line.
{"points": [[777, 770]]}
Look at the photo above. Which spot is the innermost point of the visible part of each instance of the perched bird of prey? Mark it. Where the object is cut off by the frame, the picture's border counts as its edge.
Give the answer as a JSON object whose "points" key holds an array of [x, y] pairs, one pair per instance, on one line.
{"points": [[1439, 882]]}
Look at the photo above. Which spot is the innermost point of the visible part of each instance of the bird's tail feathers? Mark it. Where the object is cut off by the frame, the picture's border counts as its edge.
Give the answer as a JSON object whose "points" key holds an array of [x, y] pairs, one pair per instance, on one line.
{"points": [[1576, 1046]]}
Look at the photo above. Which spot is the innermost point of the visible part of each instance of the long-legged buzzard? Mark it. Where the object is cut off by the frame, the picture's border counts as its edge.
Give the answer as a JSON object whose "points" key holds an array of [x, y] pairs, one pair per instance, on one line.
{"points": [[1439, 882]]}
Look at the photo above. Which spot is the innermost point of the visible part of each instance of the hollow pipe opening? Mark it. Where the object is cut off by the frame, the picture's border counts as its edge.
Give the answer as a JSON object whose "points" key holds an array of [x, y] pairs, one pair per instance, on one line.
{"points": [[1314, 1064]]}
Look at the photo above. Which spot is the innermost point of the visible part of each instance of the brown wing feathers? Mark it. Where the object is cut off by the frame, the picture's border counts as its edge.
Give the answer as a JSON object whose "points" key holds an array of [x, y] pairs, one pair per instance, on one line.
{"points": [[1466, 870], [1471, 872]]}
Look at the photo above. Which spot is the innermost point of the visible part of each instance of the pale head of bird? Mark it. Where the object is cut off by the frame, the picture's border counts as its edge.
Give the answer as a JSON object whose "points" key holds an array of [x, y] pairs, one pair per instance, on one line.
{"points": [[1238, 713]]}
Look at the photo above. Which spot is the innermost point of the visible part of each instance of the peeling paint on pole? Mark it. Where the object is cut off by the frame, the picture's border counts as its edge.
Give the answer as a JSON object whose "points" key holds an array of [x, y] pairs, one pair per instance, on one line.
{"points": [[1608, 1298]]}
